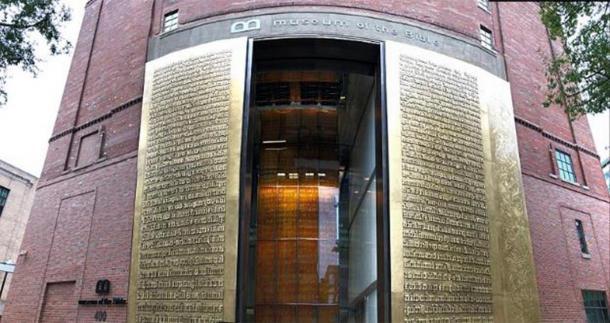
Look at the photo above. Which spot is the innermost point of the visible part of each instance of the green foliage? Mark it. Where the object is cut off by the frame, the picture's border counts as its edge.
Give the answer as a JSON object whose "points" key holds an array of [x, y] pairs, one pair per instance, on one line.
{"points": [[21, 23], [579, 77]]}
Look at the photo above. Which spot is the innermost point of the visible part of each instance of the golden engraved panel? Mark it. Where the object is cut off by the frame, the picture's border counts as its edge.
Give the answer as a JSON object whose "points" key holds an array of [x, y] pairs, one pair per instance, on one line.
{"points": [[460, 248], [184, 258]]}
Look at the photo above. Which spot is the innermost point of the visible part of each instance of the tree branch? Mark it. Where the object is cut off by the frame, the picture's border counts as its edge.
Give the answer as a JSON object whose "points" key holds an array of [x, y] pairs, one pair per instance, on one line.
{"points": [[4, 24], [596, 84]]}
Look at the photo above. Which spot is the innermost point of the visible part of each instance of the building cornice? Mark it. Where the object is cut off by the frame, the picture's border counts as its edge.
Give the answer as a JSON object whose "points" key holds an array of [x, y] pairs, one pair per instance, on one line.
{"points": [[555, 138], [567, 187], [17, 173], [97, 120]]}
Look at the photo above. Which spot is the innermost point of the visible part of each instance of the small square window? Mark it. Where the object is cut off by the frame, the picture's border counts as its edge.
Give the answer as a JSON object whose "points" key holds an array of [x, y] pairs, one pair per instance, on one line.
{"points": [[170, 21], [486, 38], [3, 196], [564, 164], [596, 306]]}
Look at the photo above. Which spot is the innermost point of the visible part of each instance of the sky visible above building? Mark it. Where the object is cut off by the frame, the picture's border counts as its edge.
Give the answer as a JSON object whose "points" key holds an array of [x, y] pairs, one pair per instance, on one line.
{"points": [[26, 122]]}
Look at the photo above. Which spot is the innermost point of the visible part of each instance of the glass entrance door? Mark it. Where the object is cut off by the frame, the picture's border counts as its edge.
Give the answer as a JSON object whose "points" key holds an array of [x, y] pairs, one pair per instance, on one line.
{"points": [[312, 241], [297, 252]]}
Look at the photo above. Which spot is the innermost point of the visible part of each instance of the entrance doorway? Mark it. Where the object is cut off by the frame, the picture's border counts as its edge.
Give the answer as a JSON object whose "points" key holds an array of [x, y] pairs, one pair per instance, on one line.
{"points": [[312, 245]]}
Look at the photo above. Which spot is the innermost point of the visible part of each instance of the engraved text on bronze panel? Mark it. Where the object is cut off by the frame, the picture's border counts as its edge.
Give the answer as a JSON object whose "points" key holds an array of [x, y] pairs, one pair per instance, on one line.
{"points": [[183, 206], [445, 224]]}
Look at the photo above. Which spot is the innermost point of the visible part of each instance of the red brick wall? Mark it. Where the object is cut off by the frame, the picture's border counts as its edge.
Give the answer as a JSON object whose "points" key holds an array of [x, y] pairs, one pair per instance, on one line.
{"points": [[102, 92], [461, 16], [59, 303], [115, 33], [561, 270], [95, 244], [553, 204]]}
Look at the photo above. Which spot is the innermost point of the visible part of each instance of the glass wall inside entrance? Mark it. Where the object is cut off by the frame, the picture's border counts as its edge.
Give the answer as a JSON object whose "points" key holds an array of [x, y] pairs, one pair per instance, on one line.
{"points": [[312, 231]]}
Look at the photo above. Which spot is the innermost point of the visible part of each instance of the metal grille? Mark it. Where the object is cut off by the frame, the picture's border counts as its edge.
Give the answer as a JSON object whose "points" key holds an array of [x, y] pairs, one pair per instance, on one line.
{"points": [[303, 93], [276, 93], [320, 93]]}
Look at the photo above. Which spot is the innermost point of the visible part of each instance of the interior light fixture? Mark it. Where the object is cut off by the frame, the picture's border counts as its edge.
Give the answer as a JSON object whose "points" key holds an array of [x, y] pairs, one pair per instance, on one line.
{"points": [[267, 142]]}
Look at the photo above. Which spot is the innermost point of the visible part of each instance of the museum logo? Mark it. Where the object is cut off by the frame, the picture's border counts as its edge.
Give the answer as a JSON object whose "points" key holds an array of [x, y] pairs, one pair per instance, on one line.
{"points": [[247, 25]]}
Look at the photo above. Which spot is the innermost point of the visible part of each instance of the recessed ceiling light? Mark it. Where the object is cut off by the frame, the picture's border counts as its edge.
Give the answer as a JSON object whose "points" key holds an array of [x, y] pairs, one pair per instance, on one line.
{"points": [[281, 141]]}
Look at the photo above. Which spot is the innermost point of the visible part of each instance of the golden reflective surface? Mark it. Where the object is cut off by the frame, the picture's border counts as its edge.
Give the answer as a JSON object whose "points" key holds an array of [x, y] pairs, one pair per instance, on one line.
{"points": [[460, 245], [297, 253], [184, 258], [439, 271]]}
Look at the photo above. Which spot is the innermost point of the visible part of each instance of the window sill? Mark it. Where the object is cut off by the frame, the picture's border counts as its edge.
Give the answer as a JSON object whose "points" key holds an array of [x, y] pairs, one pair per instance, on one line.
{"points": [[77, 168], [570, 182], [164, 33], [487, 49]]}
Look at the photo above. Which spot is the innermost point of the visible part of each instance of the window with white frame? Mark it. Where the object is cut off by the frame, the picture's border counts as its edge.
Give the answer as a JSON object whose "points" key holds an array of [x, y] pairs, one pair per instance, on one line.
{"points": [[565, 166], [483, 4], [486, 38], [170, 21]]}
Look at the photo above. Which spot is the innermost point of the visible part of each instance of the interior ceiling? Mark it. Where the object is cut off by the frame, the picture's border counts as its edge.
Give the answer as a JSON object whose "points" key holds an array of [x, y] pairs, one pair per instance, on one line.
{"points": [[319, 134]]}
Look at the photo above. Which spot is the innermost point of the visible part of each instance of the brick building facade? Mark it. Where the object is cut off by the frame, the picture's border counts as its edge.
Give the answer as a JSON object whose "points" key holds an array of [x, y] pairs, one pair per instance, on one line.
{"points": [[80, 228], [17, 189]]}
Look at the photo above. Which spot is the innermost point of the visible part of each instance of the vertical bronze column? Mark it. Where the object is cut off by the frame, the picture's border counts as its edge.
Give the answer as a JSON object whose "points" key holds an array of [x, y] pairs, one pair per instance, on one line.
{"points": [[184, 251], [461, 247]]}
